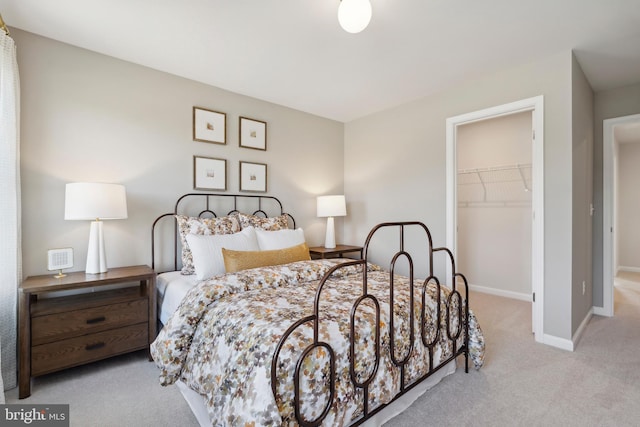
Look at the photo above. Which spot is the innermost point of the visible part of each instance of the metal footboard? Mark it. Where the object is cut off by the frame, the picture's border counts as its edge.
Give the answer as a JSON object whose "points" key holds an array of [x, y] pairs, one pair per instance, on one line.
{"points": [[454, 321]]}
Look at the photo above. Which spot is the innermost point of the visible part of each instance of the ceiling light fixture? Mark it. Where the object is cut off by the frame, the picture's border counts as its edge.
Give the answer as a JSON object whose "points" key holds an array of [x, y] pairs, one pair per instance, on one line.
{"points": [[354, 15]]}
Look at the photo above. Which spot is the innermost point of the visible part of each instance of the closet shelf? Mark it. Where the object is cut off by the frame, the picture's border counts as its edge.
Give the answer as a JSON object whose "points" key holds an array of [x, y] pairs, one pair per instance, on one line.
{"points": [[498, 184]]}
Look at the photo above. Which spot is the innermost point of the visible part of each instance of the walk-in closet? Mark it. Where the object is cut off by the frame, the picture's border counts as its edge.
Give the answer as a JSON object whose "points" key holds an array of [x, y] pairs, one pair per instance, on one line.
{"points": [[494, 188]]}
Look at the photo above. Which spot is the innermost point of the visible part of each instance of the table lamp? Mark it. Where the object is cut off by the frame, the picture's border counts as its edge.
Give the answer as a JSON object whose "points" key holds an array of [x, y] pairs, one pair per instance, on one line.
{"points": [[95, 201], [331, 206]]}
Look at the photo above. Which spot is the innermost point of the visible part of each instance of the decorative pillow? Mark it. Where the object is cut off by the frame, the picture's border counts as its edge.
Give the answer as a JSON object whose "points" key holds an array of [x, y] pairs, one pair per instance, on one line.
{"points": [[242, 260], [270, 224], [280, 239], [207, 250], [202, 226]]}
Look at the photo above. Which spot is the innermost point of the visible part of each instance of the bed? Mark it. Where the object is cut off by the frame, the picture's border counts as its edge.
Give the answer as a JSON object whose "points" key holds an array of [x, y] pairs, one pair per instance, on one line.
{"points": [[298, 341]]}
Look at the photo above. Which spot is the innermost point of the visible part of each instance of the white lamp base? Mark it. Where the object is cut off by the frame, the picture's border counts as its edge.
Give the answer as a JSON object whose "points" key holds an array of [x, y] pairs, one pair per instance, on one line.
{"points": [[330, 238], [96, 255]]}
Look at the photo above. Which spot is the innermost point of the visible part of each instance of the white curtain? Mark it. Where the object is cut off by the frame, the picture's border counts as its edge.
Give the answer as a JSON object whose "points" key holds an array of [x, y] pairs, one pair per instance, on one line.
{"points": [[10, 239]]}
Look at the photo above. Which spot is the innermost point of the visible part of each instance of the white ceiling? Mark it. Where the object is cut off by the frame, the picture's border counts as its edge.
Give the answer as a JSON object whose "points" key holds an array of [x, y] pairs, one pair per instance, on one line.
{"points": [[293, 52]]}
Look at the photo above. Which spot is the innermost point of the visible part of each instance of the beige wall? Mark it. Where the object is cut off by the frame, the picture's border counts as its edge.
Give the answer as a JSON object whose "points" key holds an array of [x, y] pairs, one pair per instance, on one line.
{"points": [[609, 104], [395, 166], [582, 136], [90, 117]]}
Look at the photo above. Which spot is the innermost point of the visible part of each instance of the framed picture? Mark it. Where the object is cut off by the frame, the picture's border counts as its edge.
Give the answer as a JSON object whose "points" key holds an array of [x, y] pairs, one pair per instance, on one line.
{"points": [[209, 173], [253, 134], [253, 177], [209, 126]]}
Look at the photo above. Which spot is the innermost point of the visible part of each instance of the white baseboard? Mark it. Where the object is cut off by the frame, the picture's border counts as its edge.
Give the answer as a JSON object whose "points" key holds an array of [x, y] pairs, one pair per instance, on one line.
{"points": [[501, 293], [561, 343], [565, 344], [629, 269], [600, 311], [576, 337]]}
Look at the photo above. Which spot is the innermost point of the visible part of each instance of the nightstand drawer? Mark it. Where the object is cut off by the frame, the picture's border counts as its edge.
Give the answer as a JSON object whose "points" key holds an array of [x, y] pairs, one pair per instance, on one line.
{"points": [[59, 326], [87, 348]]}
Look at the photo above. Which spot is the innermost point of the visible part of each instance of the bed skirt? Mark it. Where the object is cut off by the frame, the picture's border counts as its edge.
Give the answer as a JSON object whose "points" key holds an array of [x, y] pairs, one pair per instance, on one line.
{"points": [[199, 409]]}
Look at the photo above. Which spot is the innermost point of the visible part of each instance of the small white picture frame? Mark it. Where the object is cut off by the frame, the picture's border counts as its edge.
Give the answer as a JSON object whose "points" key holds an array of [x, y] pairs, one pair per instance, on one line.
{"points": [[253, 177], [209, 173], [253, 134], [209, 126]]}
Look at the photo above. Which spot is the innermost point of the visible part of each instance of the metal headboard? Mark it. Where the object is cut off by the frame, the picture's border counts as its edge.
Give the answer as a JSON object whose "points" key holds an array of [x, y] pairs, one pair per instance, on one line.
{"points": [[209, 203]]}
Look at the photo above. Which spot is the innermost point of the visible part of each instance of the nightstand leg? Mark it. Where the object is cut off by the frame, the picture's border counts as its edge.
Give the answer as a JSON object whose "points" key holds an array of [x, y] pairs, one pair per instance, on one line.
{"points": [[151, 292], [24, 379]]}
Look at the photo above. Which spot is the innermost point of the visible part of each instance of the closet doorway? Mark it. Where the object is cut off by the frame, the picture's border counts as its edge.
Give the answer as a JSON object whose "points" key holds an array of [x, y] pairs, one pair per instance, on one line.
{"points": [[494, 189], [494, 204]]}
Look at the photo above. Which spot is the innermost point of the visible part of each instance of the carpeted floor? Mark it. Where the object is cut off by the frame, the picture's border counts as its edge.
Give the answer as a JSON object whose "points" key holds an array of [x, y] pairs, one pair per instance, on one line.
{"points": [[528, 384], [522, 383]]}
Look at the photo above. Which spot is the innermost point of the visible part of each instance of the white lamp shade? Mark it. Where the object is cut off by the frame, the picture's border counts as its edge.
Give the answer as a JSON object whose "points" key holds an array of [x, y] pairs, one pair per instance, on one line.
{"points": [[354, 15], [331, 206], [91, 200]]}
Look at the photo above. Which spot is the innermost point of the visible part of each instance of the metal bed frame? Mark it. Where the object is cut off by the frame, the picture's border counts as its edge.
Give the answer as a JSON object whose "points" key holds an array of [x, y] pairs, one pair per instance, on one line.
{"points": [[461, 314], [442, 321], [207, 200]]}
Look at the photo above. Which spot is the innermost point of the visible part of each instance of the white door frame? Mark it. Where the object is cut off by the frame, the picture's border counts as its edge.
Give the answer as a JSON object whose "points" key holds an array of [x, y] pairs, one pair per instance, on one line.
{"points": [[535, 105], [608, 219]]}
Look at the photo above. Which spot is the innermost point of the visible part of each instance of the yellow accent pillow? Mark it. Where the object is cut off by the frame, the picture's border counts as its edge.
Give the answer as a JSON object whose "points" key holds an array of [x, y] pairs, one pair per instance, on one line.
{"points": [[243, 260]]}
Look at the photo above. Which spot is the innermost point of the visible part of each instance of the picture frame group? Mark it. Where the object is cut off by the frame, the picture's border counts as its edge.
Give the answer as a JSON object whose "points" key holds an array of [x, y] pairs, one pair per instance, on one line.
{"points": [[210, 173], [211, 126]]}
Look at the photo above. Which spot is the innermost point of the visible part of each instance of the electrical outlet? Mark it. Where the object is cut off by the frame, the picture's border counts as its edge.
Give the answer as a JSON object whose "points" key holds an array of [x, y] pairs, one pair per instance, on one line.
{"points": [[584, 287]]}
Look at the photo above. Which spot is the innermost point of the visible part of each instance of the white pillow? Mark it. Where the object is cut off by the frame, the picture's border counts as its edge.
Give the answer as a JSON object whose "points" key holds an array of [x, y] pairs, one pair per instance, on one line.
{"points": [[207, 250], [281, 239]]}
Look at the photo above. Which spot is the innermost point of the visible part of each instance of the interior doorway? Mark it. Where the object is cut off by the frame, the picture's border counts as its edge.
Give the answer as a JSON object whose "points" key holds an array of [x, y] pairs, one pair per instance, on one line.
{"points": [[615, 131], [535, 107]]}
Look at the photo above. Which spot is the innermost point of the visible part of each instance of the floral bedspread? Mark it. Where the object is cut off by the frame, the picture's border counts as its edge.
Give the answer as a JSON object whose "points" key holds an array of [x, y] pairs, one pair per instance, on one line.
{"points": [[222, 338]]}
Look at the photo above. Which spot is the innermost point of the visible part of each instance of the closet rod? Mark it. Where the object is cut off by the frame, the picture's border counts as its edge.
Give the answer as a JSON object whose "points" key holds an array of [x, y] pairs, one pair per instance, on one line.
{"points": [[495, 168], [494, 204], [3, 26]]}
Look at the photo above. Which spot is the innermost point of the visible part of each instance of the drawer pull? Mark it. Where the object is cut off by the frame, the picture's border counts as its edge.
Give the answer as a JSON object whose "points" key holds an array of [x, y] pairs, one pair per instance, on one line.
{"points": [[96, 320], [95, 346]]}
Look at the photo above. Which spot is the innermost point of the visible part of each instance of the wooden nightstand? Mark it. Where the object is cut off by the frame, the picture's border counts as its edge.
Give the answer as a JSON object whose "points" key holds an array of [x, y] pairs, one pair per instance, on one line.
{"points": [[60, 332], [320, 252]]}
